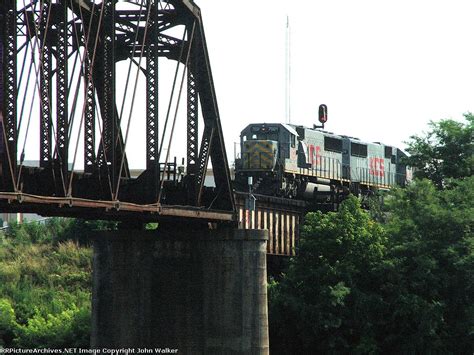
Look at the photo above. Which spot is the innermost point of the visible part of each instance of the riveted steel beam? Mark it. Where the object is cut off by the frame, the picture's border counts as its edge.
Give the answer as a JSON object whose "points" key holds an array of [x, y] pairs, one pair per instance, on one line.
{"points": [[9, 92], [62, 88], [76, 46]]}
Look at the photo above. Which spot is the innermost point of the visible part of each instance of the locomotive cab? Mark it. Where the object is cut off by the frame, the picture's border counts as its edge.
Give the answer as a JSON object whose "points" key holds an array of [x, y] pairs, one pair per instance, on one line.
{"points": [[266, 151]]}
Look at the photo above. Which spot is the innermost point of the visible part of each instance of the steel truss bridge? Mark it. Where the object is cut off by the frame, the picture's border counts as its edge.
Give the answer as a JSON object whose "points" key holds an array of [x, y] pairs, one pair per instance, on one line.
{"points": [[59, 71]]}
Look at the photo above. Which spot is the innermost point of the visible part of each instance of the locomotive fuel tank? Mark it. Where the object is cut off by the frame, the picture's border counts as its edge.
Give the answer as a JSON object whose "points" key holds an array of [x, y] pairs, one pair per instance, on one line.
{"points": [[312, 189]]}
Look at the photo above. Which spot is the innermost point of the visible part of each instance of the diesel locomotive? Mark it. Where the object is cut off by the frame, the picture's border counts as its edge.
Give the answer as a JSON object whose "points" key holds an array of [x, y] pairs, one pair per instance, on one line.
{"points": [[293, 161]]}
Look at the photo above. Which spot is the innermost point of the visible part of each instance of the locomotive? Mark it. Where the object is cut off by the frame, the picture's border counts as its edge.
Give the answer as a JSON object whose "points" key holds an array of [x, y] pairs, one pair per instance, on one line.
{"points": [[293, 161]]}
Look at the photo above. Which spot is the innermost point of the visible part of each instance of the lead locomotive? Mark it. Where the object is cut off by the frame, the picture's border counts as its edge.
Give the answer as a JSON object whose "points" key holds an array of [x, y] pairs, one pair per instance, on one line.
{"points": [[309, 163]]}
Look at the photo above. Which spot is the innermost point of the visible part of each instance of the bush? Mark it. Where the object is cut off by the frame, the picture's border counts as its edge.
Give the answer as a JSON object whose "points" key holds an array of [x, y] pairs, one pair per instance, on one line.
{"points": [[69, 328], [7, 321], [46, 278]]}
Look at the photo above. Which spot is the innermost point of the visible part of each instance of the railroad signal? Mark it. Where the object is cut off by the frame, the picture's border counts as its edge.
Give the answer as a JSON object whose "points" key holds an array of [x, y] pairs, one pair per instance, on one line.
{"points": [[323, 113], [322, 116]]}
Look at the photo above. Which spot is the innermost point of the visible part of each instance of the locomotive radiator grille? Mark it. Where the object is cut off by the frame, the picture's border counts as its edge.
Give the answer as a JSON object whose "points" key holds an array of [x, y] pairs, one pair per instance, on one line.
{"points": [[259, 155]]}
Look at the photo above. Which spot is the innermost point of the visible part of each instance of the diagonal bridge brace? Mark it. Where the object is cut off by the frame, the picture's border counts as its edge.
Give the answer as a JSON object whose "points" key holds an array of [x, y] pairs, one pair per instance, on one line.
{"points": [[108, 35]]}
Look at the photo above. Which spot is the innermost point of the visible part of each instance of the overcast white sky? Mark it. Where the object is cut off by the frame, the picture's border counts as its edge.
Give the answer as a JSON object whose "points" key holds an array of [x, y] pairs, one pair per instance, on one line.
{"points": [[384, 68]]}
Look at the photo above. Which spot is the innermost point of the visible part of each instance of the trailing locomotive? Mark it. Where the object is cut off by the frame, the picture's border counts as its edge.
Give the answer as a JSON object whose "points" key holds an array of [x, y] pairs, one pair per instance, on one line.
{"points": [[308, 163]]}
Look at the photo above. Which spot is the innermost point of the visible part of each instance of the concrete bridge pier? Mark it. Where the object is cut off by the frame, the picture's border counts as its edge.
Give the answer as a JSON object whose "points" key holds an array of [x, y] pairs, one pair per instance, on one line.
{"points": [[197, 290]]}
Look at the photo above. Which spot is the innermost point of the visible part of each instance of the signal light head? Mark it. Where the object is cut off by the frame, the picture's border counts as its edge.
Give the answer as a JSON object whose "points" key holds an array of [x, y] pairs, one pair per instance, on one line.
{"points": [[323, 113]]}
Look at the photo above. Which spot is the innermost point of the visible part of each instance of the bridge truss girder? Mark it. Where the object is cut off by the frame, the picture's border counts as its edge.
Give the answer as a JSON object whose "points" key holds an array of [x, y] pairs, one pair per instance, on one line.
{"points": [[102, 35]]}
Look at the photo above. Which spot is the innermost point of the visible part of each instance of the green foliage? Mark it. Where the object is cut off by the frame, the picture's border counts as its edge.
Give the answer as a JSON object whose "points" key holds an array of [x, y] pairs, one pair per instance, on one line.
{"points": [[404, 286], [56, 230], [151, 226], [45, 282], [81, 230], [7, 321], [68, 328], [446, 151], [7, 314], [323, 303], [432, 267]]}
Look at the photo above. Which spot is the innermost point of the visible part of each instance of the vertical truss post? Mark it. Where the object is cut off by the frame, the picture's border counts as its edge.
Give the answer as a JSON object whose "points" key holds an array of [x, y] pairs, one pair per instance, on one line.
{"points": [[152, 91], [109, 134], [192, 125], [10, 89], [45, 85], [89, 118], [88, 39], [152, 87], [62, 124]]}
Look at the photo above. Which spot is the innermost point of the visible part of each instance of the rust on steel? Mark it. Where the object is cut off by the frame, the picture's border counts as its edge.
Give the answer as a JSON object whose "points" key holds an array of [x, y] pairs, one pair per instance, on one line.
{"points": [[80, 167], [63, 206]]}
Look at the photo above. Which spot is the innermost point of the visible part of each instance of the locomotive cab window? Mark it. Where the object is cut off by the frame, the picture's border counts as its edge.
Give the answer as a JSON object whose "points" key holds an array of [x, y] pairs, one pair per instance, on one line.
{"points": [[264, 133], [272, 136], [358, 150], [292, 140]]}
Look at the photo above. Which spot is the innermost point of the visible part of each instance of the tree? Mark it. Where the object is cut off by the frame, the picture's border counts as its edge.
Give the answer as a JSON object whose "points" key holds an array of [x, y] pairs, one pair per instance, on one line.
{"points": [[327, 301], [429, 279], [404, 286], [446, 151]]}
